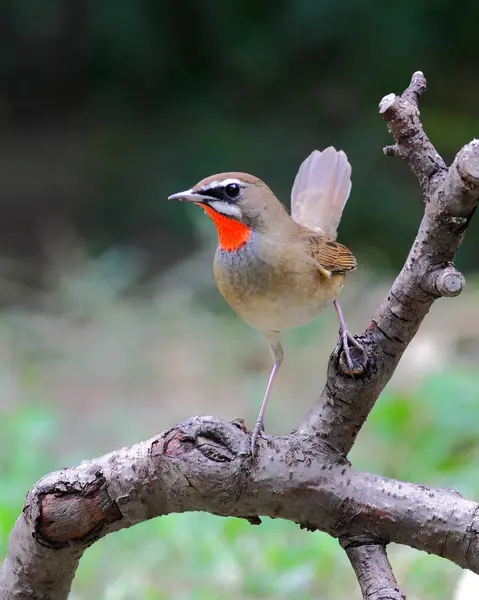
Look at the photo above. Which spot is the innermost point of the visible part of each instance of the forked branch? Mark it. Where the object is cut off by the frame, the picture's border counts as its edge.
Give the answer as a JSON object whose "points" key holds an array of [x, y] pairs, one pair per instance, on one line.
{"points": [[450, 197], [205, 463]]}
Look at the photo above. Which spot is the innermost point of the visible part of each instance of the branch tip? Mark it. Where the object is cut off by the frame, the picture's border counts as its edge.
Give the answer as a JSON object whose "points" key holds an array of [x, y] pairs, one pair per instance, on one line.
{"points": [[386, 103], [415, 89], [467, 162]]}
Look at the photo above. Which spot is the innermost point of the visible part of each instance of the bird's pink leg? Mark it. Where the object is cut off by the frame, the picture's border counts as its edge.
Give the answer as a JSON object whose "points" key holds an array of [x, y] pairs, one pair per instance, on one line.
{"points": [[277, 352], [345, 337]]}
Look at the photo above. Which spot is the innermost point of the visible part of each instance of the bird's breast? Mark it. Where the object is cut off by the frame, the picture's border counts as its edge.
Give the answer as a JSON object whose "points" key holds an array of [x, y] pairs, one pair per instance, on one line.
{"points": [[270, 287]]}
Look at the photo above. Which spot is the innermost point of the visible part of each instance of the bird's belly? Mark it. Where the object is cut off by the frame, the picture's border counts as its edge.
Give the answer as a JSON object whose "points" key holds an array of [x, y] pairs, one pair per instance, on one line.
{"points": [[281, 313], [273, 298]]}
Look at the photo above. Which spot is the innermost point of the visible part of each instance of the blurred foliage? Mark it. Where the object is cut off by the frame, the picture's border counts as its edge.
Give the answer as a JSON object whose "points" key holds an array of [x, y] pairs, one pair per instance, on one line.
{"points": [[109, 107]]}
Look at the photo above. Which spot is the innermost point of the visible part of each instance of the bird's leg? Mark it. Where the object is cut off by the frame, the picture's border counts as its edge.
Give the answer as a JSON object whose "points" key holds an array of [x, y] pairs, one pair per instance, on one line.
{"points": [[345, 337], [277, 352]]}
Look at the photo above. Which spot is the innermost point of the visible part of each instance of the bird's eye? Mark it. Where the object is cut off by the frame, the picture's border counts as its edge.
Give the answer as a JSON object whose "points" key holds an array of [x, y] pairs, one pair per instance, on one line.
{"points": [[232, 190]]}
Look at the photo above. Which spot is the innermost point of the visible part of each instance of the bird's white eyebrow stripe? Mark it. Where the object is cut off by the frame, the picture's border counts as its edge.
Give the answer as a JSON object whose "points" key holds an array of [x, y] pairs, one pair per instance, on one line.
{"points": [[221, 183], [224, 208]]}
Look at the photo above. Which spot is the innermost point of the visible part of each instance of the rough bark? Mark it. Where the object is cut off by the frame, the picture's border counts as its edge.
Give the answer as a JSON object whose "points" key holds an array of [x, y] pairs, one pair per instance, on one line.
{"points": [[374, 573], [205, 463]]}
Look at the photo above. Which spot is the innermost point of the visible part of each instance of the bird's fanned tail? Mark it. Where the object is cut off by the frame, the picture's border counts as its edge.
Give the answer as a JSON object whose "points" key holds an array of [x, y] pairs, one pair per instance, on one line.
{"points": [[320, 191]]}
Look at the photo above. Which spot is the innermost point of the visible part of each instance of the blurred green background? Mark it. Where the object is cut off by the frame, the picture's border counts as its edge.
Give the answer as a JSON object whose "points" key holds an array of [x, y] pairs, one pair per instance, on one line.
{"points": [[111, 329]]}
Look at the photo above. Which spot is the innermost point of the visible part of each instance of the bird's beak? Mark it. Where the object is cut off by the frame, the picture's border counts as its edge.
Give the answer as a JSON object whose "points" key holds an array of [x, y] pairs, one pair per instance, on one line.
{"points": [[188, 196]]}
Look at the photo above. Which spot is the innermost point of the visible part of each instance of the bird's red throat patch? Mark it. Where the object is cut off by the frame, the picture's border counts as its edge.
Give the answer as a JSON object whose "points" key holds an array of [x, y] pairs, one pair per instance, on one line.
{"points": [[231, 234]]}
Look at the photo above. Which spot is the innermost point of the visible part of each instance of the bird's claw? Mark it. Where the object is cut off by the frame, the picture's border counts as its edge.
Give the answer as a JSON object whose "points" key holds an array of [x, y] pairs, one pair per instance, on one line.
{"points": [[258, 431], [354, 365]]}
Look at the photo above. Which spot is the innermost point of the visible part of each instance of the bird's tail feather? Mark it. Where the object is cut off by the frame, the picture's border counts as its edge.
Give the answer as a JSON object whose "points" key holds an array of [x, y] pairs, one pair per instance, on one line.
{"points": [[320, 191]]}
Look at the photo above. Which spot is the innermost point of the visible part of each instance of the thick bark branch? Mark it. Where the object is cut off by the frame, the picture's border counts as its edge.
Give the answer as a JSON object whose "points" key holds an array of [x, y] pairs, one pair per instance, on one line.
{"points": [[450, 201], [205, 464]]}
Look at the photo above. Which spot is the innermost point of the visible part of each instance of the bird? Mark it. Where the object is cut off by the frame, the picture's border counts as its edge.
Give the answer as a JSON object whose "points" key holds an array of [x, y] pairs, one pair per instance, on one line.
{"points": [[278, 270]]}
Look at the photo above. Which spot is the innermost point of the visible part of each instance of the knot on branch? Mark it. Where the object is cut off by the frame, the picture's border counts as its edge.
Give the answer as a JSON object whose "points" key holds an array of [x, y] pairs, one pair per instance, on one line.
{"points": [[359, 361], [70, 513], [443, 281], [204, 456], [207, 435]]}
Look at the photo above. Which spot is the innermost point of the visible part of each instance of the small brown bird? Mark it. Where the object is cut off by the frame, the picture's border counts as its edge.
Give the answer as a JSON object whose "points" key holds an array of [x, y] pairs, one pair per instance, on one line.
{"points": [[275, 270]]}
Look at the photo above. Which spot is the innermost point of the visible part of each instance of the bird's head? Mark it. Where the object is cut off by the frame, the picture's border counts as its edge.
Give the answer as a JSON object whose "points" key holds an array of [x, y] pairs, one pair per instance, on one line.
{"points": [[237, 203]]}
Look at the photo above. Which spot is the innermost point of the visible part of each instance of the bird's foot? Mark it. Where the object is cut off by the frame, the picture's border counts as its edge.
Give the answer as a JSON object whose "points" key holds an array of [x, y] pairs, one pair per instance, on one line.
{"points": [[353, 351], [257, 432]]}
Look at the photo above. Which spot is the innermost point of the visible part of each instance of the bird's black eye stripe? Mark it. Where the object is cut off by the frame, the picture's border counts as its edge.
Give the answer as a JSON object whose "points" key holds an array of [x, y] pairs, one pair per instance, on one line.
{"points": [[214, 192]]}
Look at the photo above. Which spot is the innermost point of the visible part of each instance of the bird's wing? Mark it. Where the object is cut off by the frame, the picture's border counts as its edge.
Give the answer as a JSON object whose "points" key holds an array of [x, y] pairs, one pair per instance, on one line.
{"points": [[330, 256], [320, 191]]}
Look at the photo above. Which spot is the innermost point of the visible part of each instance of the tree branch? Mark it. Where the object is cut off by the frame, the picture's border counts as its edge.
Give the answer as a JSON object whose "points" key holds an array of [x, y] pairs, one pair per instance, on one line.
{"points": [[450, 201], [402, 116], [205, 464], [374, 573]]}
